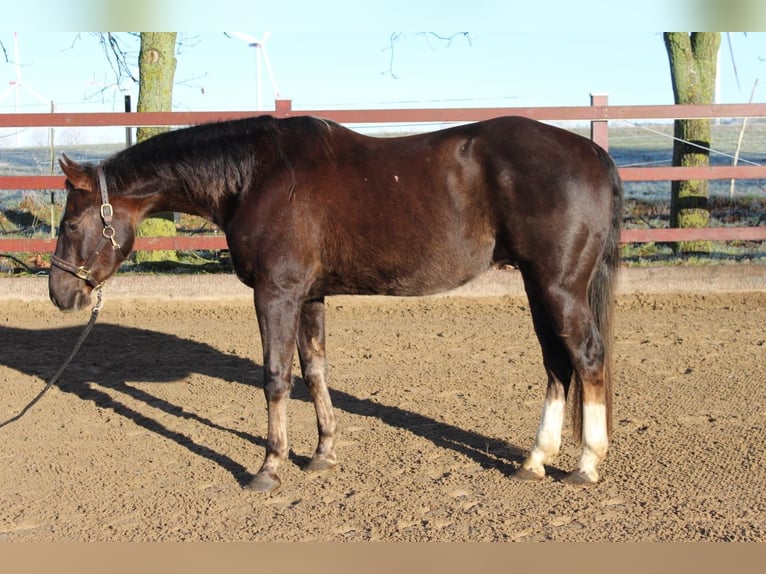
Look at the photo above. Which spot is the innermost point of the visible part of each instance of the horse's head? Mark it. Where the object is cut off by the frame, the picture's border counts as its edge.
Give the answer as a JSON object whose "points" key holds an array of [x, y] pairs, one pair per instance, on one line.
{"points": [[95, 236]]}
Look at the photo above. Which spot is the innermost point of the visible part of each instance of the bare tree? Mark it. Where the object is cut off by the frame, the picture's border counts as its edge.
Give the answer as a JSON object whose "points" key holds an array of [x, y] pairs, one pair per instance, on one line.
{"points": [[430, 38], [119, 56]]}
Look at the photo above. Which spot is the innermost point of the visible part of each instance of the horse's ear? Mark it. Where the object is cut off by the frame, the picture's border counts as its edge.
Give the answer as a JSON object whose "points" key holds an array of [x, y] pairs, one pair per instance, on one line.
{"points": [[78, 175]]}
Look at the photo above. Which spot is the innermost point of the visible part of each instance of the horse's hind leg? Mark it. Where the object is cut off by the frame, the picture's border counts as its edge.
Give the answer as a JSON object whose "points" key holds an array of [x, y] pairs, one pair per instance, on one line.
{"points": [[592, 402], [572, 322], [581, 336], [559, 370], [311, 350]]}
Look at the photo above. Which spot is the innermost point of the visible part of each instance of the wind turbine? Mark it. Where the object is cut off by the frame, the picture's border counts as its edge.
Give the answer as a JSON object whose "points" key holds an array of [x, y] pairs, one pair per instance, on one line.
{"points": [[17, 84], [260, 54]]}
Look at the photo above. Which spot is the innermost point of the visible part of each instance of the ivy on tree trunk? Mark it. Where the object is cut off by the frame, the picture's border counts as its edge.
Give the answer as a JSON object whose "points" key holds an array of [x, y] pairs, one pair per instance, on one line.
{"points": [[693, 65]]}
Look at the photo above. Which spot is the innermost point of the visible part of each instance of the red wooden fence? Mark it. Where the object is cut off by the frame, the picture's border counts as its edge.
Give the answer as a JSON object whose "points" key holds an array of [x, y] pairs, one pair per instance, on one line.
{"points": [[599, 114]]}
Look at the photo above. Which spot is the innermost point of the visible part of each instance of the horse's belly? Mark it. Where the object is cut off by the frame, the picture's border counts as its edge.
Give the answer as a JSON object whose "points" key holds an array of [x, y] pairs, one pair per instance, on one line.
{"points": [[413, 271]]}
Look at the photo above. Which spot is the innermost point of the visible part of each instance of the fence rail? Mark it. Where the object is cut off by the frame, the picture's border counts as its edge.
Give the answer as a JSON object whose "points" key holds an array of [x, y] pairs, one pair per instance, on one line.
{"points": [[283, 109], [599, 114]]}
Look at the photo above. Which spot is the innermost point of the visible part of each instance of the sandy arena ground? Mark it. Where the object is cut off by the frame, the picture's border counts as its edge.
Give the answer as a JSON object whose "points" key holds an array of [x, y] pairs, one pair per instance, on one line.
{"points": [[161, 418]]}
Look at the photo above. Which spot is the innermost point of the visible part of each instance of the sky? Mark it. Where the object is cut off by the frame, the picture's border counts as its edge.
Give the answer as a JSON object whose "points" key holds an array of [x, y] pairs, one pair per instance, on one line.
{"points": [[501, 53]]}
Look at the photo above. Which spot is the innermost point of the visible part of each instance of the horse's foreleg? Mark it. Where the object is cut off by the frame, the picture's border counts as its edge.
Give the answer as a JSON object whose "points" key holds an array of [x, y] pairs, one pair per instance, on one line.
{"points": [[278, 323], [311, 350]]}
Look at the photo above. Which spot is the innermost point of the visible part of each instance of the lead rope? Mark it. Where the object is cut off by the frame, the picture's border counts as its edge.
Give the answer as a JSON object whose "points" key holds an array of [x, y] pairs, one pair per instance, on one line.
{"points": [[93, 316]]}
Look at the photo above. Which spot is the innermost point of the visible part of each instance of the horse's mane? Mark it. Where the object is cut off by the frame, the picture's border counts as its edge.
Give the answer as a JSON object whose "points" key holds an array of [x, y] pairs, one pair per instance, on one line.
{"points": [[210, 161]]}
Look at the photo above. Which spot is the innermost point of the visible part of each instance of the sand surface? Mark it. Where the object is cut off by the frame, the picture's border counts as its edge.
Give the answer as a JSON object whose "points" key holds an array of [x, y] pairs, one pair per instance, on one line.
{"points": [[161, 418]]}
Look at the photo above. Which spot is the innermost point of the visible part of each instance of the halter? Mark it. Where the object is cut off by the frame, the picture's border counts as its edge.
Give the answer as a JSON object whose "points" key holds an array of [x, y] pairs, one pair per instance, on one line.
{"points": [[107, 236]]}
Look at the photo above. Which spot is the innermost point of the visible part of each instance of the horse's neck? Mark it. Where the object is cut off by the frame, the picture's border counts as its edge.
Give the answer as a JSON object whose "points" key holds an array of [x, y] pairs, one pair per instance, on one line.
{"points": [[173, 198], [207, 193], [163, 193]]}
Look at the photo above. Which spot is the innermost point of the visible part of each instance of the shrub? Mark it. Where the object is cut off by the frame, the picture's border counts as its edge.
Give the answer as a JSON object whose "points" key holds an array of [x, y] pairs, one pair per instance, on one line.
{"points": [[156, 227]]}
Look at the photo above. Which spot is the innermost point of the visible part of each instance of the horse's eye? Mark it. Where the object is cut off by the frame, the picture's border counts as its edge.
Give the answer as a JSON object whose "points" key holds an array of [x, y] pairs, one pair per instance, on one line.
{"points": [[70, 225]]}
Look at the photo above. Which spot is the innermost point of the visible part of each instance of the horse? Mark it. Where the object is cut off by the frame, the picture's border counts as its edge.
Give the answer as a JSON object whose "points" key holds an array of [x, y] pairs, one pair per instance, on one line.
{"points": [[312, 209]]}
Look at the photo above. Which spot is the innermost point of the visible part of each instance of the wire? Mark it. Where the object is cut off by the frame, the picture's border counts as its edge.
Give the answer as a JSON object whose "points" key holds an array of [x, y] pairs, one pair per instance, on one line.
{"points": [[689, 143]]}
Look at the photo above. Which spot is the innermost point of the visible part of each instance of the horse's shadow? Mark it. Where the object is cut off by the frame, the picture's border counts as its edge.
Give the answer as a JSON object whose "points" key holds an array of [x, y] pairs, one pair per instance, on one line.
{"points": [[159, 357]]}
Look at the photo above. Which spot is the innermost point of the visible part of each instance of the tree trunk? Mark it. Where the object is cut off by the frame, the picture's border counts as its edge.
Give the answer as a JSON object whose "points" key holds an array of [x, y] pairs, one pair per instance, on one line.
{"points": [[156, 68], [693, 66]]}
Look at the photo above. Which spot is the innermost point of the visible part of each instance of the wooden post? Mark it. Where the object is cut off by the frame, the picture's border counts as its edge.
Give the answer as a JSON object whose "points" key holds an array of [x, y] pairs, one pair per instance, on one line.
{"points": [[52, 142], [283, 108], [599, 129]]}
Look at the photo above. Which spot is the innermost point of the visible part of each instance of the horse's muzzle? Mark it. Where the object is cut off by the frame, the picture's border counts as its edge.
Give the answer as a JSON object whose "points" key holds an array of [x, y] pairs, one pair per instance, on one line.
{"points": [[69, 297]]}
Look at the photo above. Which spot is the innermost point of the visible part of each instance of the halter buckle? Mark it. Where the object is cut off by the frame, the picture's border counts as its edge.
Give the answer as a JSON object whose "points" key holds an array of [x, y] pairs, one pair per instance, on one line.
{"points": [[83, 273], [107, 212]]}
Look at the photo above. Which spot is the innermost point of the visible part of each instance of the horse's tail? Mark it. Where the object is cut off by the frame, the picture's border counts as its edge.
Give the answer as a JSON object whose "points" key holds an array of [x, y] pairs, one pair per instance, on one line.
{"points": [[601, 296]]}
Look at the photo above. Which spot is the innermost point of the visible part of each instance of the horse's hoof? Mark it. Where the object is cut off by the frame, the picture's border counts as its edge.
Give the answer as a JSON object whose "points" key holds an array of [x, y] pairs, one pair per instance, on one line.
{"points": [[263, 482], [579, 478], [317, 464], [527, 475]]}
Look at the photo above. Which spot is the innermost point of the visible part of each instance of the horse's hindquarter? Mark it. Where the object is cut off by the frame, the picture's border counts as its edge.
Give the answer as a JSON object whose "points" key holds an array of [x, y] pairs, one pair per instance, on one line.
{"points": [[552, 190]]}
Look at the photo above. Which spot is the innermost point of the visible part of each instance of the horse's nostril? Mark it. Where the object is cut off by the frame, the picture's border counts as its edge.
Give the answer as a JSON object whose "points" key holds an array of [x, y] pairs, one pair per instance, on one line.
{"points": [[70, 302], [81, 300]]}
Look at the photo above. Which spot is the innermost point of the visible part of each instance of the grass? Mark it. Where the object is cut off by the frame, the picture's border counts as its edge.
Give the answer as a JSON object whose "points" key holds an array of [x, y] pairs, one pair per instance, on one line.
{"points": [[721, 253]]}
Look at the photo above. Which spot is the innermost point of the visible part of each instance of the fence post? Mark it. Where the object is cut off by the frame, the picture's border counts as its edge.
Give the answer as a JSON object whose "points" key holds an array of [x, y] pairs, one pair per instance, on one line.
{"points": [[52, 141], [128, 129], [599, 129], [283, 108]]}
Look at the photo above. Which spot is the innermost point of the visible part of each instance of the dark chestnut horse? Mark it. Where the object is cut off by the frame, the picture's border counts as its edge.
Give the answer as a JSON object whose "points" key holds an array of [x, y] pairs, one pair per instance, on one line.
{"points": [[312, 209]]}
